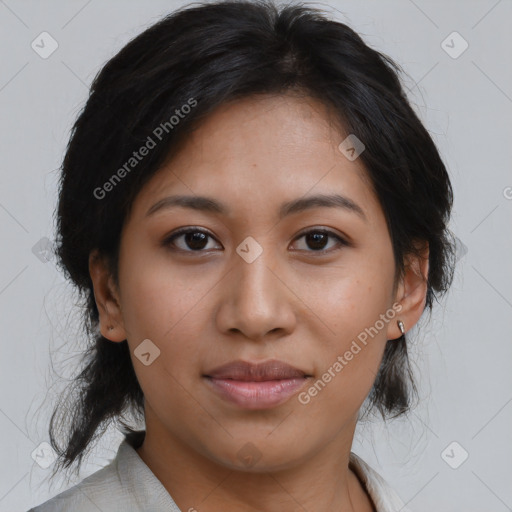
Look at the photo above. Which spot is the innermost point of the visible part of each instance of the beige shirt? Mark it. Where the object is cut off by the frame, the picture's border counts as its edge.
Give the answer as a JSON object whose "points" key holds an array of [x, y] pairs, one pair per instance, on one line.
{"points": [[127, 484]]}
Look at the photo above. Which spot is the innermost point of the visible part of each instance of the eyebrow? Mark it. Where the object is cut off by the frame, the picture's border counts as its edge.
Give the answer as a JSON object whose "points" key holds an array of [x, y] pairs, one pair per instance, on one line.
{"points": [[207, 204]]}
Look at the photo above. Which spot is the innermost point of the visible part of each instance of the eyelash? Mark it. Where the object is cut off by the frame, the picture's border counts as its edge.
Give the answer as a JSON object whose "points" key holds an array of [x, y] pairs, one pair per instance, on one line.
{"points": [[169, 241]]}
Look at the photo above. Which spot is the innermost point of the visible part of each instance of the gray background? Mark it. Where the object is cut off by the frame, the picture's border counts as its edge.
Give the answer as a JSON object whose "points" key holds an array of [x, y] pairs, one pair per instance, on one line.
{"points": [[462, 354]]}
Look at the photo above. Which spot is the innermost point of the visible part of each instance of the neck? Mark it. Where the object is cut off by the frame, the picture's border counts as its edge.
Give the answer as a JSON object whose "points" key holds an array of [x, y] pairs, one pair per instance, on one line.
{"points": [[322, 482]]}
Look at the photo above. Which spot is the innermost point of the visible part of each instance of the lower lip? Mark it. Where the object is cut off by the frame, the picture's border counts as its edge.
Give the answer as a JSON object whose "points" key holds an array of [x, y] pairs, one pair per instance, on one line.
{"points": [[256, 395]]}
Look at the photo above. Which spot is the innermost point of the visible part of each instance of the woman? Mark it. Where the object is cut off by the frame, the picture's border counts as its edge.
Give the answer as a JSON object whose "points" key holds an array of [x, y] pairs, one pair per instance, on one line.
{"points": [[255, 217]]}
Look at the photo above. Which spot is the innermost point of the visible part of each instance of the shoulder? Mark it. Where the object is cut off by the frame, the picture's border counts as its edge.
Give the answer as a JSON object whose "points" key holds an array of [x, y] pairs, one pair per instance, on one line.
{"points": [[125, 485], [382, 495], [101, 490]]}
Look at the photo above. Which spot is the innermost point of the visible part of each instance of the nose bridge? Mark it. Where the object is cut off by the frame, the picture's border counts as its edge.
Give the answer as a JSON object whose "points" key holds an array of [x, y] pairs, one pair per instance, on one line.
{"points": [[257, 301], [256, 284]]}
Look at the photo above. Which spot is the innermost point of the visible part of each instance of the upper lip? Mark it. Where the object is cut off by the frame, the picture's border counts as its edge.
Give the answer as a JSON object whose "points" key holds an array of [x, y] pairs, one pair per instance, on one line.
{"points": [[246, 371]]}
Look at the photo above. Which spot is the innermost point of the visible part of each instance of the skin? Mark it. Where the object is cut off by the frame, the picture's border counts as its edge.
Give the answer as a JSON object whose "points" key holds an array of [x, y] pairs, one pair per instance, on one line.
{"points": [[204, 309]]}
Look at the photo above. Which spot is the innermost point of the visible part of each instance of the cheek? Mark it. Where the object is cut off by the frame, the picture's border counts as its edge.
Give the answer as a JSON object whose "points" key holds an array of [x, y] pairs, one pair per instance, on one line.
{"points": [[348, 358], [350, 301], [170, 309], [157, 297]]}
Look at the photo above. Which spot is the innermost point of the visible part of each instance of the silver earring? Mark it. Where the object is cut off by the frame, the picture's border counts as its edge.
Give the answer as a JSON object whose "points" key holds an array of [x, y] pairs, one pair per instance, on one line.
{"points": [[401, 326], [110, 327]]}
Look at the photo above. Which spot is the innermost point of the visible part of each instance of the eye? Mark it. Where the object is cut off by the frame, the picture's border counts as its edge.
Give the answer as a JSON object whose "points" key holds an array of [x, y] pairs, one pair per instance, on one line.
{"points": [[194, 238], [317, 239]]}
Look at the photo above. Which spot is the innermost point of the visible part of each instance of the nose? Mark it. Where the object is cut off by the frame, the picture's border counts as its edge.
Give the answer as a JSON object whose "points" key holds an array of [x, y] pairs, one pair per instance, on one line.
{"points": [[256, 301]]}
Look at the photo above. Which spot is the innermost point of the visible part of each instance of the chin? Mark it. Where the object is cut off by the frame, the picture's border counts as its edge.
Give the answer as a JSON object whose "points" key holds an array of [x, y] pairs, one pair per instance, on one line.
{"points": [[257, 456]]}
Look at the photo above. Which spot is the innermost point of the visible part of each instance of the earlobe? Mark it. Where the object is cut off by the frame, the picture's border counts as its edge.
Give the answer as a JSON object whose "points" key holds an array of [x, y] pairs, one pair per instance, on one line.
{"points": [[396, 330], [107, 301]]}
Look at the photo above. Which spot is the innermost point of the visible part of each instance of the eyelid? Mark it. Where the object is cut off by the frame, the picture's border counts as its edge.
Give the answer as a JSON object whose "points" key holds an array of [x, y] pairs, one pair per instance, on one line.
{"points": [[326, 230]]}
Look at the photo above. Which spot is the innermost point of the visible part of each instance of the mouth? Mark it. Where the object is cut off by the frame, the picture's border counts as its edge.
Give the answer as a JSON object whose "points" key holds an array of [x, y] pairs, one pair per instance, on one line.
{"points": [[256, 386]]}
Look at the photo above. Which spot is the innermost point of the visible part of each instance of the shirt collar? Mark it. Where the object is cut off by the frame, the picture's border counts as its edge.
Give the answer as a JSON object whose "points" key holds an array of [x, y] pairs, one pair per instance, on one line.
{"points": [[145, 488], [384, 498]]}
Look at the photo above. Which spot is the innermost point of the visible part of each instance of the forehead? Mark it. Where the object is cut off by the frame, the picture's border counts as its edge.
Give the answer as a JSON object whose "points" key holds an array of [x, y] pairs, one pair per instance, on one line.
{"points": [[260, 151]]}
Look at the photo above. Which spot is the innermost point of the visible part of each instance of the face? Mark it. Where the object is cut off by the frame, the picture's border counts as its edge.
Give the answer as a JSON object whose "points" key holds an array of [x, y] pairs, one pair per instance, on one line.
{"points": [[254, 281]]}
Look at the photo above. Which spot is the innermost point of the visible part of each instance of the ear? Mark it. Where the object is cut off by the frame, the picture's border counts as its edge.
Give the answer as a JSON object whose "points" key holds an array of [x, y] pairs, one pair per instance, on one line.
{"points": [[107, 300], [411, 291]]}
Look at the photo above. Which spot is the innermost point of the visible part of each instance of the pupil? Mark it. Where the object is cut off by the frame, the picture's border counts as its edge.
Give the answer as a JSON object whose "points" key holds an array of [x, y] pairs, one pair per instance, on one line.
{"points": [[195, 240], [318, 240]]}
